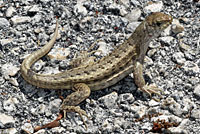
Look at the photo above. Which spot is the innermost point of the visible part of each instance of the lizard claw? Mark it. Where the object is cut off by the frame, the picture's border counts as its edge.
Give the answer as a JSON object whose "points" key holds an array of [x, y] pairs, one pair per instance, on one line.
{"points": [[152, 89], [76, 109]]}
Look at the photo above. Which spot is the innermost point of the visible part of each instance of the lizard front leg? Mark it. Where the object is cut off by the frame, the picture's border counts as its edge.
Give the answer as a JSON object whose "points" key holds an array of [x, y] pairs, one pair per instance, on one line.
{"points": [[82, 91], [140, 82]]}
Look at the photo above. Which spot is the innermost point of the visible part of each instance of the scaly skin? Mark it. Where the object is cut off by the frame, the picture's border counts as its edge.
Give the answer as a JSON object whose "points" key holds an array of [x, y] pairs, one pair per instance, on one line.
{"points": [[100, 74], [125, 59]]}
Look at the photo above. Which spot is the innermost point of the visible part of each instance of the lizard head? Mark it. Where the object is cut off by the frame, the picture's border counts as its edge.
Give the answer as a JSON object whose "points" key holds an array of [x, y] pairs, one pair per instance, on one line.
{"points": [[157, 22], [149, 29]]}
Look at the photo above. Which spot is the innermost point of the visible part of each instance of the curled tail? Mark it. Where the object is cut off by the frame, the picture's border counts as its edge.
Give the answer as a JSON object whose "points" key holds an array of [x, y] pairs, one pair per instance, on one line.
{"points": [[32, 58]]}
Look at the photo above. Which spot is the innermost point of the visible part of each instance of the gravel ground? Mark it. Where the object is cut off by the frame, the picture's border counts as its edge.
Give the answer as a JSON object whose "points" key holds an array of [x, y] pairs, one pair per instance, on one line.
{"points": [[172, 63]]}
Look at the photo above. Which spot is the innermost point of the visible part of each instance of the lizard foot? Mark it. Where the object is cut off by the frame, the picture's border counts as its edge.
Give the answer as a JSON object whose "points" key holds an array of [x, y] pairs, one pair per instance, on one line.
{"points": [[152, 89], [82, 91], [76, 109]]}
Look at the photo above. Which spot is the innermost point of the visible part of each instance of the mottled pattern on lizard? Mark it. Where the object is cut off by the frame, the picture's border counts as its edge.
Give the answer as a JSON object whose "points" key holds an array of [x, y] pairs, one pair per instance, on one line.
{"points": [[125, 59]]}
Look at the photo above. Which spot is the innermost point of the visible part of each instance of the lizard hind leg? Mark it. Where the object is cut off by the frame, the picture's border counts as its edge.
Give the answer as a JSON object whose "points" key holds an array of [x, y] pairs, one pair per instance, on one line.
{"points": [[82, 91], [84, 58]]}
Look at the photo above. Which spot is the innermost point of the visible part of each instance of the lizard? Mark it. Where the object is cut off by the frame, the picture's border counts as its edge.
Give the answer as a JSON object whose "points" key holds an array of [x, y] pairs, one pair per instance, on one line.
{"points": [[125, 59]]}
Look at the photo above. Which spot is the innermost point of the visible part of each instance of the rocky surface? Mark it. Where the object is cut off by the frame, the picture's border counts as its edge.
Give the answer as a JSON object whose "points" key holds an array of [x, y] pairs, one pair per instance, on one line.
{"points": [[172, 63]]}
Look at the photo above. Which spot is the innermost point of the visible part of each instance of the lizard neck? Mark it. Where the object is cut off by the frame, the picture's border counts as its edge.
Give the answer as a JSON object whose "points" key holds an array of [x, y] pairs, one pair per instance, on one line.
{"points": [[141, 38]]}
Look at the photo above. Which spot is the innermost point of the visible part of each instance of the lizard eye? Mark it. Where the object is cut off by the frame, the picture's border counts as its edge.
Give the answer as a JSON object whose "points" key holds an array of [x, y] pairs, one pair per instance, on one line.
{"points": [[159, 23]]}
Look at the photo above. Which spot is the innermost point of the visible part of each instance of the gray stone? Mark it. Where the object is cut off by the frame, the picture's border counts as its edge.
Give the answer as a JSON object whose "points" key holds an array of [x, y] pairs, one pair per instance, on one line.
{"points": [[79, 8], [43, 37], [79, 39], [134, 2], [28, 127], [195, 113], [41, 109], [151, 52], [175, 119], [59, 53], [183, 123], [107, 125], [168, 101], [138, 110], [10, 11], [163, 53], [177, 27], [176, 130], [166, 40], [152, 110], [103, 48], [166, 32], [42, 131], [22, 39], [153, 103], [13, 81], [148, 61], [9, 105], [20, 19], [37, 30], [34, 8], [126, 3], [190, 67], [2, 126], [44, 1], [100, 113], [132, 26], [173, 106], [8, 131], [38, 65], [188, 104], [189, 55], [120, 123], [55, 105], [167, 118], [123, 11], [6, 41], [153, 44], [184, 47], [58, 130], [4, 23], [197, 90], [37, 18], [116, 112], [153, 7], [126, 98], [9, 70], [134, 15], [180, 129], [109, 100], [178, 57], [5, 119], [146, 126], [176, 109]]}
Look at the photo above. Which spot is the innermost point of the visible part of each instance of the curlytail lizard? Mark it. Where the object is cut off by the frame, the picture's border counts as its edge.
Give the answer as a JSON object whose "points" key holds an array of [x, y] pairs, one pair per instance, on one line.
{"points": [[125, 59]]}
